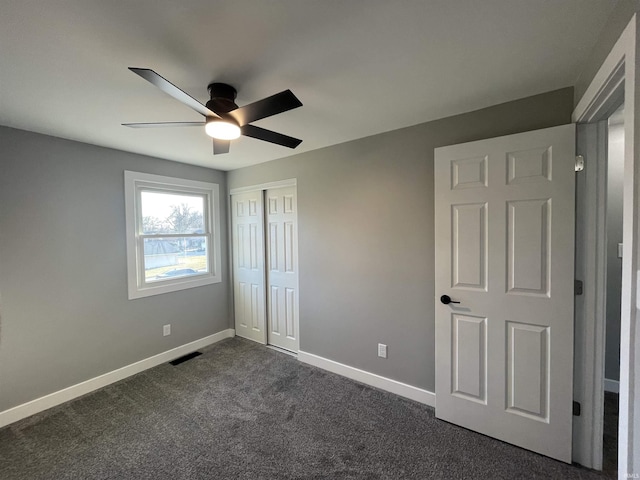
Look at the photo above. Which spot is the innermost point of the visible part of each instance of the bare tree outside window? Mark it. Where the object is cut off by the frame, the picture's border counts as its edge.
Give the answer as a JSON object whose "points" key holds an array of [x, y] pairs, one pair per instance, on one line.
{"points": [[183, 218]]}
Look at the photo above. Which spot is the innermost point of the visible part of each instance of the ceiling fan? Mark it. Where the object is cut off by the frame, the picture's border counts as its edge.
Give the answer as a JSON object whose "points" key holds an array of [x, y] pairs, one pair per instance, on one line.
{"points": [[225, 121]]}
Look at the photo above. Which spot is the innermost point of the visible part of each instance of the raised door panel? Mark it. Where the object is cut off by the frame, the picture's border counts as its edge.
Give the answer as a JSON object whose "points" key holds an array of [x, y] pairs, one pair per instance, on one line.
{"points": [[469, 357], [528, 370], [528, 246], [469, 246], [288, 247], [290, 313], [469, 173], [529, 166]]}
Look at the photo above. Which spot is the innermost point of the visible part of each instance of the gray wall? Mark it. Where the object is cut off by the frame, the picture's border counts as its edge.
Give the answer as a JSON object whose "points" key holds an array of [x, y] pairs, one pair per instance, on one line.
{"points": [[616, 23], [366, 245], [615, 183], [64, 312]]}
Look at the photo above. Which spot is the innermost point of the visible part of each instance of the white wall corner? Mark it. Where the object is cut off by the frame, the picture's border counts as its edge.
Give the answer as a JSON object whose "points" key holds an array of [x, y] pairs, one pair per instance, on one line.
{"points": [[393, 386], [61, 396]]}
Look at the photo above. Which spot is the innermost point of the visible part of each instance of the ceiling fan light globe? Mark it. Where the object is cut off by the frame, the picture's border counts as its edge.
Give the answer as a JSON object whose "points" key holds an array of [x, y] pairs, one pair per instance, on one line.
{"points": [[222, 130]]}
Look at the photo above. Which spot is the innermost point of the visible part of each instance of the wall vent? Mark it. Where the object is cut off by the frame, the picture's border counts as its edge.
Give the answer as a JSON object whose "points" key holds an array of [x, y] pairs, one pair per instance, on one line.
{"points": [[184, 358]]}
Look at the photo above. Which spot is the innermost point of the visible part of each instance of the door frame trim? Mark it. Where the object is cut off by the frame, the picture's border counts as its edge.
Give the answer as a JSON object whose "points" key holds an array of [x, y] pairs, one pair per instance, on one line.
{"points": [[262, 187], [590, 307], [618, 74], [289, 182]]}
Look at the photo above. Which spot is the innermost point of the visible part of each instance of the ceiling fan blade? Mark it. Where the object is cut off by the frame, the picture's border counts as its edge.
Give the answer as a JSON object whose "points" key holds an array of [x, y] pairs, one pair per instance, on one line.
{"points": [[169, 88], [270, 136], [220, 146], [164, 124], [278, 103]]}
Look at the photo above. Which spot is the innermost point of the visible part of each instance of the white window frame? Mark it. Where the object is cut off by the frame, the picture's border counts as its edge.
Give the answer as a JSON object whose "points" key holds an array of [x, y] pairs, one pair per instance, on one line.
{"points": [[134, 184]]}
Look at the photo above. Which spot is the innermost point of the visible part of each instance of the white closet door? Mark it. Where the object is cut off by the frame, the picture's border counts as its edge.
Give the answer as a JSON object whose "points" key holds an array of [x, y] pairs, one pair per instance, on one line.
{"points": [[282, 268], [504, 212], [248, 265]]}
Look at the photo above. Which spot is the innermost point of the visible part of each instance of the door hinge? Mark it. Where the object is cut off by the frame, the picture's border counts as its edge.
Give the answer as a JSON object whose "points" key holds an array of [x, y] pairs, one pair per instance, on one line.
{"points": [[576, 409], [579, 163], [577, 287]]}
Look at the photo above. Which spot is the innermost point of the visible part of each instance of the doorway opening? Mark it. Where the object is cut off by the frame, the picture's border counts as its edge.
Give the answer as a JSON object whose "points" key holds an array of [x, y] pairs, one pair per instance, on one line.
{"points": [[614, 83], [613, 288], [599, 226]]}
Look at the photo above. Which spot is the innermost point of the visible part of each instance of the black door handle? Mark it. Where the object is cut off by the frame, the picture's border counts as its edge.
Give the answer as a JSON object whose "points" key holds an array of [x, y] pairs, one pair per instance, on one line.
{"points": [[446, 299]]}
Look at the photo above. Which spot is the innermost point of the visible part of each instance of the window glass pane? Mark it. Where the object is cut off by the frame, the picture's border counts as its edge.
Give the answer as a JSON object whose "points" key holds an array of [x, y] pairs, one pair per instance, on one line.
{"points": [[175, 257], [172, 213]]}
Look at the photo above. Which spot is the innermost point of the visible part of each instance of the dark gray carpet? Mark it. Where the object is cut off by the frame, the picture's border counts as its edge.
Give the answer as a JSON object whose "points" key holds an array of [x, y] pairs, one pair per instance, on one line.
{"points": [[610, 434], [243, 411]]}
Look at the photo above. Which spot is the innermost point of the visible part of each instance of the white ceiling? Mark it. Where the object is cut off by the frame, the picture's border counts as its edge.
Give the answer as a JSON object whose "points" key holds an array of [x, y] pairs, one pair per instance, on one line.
{"points": [[360, 67]]}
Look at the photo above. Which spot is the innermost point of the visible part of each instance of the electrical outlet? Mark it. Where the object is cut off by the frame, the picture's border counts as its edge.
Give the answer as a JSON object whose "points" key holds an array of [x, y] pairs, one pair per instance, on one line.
{"points": [[166, 330], [382, 350]]}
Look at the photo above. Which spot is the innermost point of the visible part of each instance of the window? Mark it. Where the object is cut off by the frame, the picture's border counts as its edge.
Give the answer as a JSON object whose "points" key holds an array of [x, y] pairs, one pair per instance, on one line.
{"points": [[173, 234]]}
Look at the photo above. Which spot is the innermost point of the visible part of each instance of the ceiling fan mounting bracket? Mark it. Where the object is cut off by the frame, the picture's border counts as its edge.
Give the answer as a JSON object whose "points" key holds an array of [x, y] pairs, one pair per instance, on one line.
{"points": [[222, 97]]}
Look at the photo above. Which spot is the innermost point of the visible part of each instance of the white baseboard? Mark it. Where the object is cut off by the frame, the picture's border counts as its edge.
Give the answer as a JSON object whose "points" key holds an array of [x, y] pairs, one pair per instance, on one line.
{"points": [[56, 398], [611, 386], [383, 383]]}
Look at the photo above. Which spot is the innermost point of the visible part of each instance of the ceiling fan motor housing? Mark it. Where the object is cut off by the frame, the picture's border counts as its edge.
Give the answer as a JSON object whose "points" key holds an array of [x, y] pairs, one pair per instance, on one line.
{"points": [[222, 98]]}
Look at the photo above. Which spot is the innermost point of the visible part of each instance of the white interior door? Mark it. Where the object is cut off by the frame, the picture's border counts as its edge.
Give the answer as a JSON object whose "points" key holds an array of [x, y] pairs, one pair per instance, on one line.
{"points": [[282, 268], [248, 265], [504, 210]]}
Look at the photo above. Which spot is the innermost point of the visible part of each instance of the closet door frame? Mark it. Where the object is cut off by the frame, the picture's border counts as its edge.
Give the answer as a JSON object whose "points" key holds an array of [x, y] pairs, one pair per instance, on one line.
{"points": [[262, 187]]}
